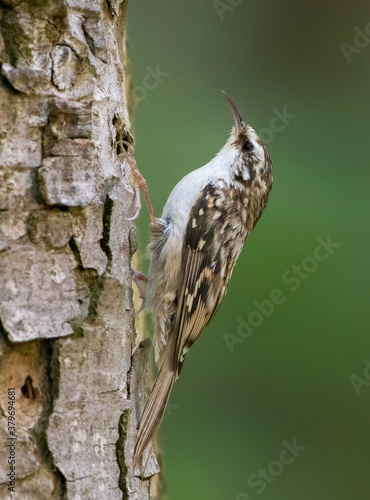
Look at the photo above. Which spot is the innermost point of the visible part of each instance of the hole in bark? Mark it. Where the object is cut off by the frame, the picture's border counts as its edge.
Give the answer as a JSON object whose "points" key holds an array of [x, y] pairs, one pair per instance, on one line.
{"points": [[48, 350], [121, 135], [4, 82], [73, 246], [104, 242], [120, 147], [27, 389]]}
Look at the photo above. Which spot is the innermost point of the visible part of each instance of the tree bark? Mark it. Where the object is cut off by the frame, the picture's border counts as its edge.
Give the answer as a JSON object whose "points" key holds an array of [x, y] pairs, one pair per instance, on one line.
{"points": [[67, 331]]}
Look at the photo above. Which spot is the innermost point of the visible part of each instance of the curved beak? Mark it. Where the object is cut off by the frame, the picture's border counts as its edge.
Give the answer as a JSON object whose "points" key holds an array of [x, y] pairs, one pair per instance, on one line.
{"points": [[239, 121]]}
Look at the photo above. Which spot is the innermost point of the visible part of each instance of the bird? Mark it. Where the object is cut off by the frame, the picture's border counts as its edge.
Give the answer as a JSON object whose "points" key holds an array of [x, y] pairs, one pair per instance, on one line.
{"points": [[193, 249]]}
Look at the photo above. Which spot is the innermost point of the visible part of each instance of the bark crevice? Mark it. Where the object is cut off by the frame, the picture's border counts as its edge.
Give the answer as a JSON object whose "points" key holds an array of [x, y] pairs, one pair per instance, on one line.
{"points": [[105, 240], [50, 351]]}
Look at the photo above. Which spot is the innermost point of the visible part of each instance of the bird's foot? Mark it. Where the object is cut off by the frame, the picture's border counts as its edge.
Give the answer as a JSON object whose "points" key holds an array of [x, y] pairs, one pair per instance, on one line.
{"points": [[137, 276], [140, 182]]}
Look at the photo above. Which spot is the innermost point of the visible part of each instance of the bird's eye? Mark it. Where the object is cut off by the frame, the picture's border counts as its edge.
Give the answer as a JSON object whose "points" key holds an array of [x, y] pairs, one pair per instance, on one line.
{"points": [[247, 146]]}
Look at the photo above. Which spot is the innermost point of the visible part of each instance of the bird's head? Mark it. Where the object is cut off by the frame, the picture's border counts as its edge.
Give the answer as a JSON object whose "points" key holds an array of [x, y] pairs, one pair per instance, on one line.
{"points": [[251, 161]]}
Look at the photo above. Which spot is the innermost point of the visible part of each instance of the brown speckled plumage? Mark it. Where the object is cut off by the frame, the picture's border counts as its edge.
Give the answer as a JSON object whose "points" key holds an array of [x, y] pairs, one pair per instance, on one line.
{"points": [[193, 250]]}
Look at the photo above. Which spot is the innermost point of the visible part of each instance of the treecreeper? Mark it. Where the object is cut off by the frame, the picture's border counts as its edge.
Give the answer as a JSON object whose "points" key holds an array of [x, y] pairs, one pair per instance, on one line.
{"points": [[193, 249]]}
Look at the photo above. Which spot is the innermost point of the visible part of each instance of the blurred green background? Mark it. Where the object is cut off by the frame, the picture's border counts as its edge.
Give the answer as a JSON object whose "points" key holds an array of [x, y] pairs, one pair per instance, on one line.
{"points": [[295, 376]]}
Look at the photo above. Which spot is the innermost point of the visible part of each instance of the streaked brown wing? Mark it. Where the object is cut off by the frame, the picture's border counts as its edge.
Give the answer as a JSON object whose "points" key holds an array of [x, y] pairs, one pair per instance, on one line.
{"points": [[215, 235]]}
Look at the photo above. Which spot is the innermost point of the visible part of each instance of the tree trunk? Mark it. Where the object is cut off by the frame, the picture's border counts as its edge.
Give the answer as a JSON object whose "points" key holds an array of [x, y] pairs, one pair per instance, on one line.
{"points": [[69, 383]]}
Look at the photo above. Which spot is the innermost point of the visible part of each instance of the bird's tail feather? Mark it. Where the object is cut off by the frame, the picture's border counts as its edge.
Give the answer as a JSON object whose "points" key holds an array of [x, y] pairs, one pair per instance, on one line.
{"points": [[154, 410]]}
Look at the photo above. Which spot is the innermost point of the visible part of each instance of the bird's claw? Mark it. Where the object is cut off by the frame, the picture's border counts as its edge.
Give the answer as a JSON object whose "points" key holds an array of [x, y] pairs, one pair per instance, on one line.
{"points": [[140, 183], [130, 149], [137, 276], [137, 205]]}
